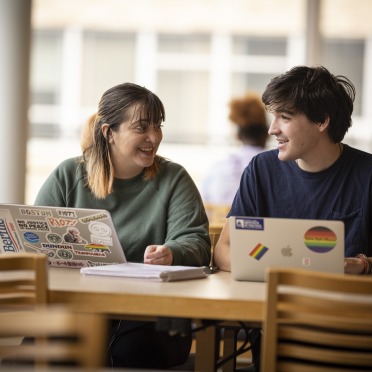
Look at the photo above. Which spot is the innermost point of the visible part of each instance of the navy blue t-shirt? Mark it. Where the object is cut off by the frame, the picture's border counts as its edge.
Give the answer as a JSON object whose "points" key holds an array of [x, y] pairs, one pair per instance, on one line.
{"points": [[270, 187]]}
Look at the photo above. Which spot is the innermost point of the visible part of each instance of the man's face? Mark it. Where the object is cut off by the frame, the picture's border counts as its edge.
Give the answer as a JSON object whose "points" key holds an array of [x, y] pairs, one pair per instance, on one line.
{"points": [[74, 233], [296, 135]]}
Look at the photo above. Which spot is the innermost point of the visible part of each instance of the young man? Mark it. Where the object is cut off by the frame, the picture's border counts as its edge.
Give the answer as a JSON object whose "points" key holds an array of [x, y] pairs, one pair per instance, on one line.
{"points": [[311, 174]]}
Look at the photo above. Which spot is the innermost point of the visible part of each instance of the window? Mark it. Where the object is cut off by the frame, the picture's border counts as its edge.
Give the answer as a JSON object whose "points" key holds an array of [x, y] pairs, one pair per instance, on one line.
{"points": [[185, 98], [182, 84], [108, 60], [46, 69], [259, 46], [345, 57], [184, 43], [256, 60]]}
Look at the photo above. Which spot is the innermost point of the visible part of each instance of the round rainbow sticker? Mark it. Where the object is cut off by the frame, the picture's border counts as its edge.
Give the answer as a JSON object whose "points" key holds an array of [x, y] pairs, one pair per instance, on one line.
{"points": [[320, 239]]}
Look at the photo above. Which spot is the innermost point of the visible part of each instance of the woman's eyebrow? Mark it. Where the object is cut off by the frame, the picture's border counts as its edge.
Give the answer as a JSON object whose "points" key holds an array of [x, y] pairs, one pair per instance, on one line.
{"points": [[139, 121]]}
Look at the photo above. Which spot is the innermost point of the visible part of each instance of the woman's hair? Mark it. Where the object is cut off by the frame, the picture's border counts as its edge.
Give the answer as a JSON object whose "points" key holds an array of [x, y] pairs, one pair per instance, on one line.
{"points": [[249, 115], [113, 109], [316, 93]]}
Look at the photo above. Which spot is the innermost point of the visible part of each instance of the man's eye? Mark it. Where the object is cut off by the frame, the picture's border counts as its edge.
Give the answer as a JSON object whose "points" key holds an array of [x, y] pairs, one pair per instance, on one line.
{"points": [[141, 129], [285, 117], [158, 127]]}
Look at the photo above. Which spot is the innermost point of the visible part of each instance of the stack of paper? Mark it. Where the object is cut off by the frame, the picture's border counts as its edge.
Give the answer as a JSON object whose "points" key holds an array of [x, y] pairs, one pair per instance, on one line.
{"points": [[149, 272]]}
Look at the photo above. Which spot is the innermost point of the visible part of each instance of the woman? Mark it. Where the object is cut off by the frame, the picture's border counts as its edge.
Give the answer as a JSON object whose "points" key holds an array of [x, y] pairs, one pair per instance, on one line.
{"points": [[248, 115], [155, 206]]}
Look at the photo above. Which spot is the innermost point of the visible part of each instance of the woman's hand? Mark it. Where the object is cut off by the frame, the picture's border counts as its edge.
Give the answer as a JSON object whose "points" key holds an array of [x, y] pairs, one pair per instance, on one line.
{"points": [[353, 265], [158, 255]]}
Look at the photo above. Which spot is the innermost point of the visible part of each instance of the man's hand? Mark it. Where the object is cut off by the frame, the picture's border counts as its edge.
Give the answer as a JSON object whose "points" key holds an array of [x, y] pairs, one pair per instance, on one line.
{"points": [[353, 265]]}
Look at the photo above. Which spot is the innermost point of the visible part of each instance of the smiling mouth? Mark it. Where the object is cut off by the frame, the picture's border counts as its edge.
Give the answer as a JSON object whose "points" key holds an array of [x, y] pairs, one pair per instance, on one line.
{"points": [[147, 149], [148, 152], [281, 142]]}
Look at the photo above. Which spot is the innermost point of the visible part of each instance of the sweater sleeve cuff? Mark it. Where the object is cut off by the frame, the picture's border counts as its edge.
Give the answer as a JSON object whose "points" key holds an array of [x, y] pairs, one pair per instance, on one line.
{"points": [[177, 252]]}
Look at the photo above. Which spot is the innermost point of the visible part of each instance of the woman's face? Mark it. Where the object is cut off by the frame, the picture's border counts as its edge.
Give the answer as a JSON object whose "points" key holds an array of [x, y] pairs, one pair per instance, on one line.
{"points": [[134, 144]]}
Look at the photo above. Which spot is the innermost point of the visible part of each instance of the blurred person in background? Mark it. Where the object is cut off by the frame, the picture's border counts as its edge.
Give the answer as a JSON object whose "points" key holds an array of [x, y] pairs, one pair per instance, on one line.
{"points": [[155, 206], [248, 114]]}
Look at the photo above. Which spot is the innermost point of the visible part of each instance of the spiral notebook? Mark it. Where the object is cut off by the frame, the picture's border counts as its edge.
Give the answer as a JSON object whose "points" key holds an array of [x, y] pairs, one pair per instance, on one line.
{"points": [[131, 270]]}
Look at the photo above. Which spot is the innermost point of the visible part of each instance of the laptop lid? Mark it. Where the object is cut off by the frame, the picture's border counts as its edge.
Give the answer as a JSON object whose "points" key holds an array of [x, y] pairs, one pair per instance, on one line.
{"points": [[71, 237], [257, 243]]}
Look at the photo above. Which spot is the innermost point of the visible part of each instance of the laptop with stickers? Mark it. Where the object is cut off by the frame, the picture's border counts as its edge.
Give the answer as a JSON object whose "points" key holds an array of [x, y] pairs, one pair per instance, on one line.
{"points": [[257, 243], [71, 237]]}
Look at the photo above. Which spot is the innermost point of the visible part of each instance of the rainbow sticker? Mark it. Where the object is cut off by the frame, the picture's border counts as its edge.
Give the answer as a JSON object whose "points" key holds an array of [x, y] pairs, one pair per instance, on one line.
{"points": [[258, 251], [320, 239]]}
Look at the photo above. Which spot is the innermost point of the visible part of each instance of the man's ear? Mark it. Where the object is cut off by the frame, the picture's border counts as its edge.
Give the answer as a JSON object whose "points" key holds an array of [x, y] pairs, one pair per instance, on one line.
{"points": [[323, 126]]}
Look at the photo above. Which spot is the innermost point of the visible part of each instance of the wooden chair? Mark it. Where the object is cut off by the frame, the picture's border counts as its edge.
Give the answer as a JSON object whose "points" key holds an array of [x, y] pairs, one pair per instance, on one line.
{"points": [[62, 336], [216, 215], [316, 322], [214, 239], [215, 228], [23, 280]]}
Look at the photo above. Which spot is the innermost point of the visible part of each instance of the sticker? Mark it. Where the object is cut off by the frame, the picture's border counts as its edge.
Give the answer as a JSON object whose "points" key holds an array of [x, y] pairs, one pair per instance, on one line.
{"points": [[320, 239], [33, 225], [35, 248], [54, 238], [9, 239], [90, 254], [99, 229], [61, 222], [243, 223], [73, 236], [66, 213], [95, 217], [49, 253], [104, 240], [56, 246], [258, 251], [76, 264], [65, 254], [31, 237], [35, 212], [98, 248]]}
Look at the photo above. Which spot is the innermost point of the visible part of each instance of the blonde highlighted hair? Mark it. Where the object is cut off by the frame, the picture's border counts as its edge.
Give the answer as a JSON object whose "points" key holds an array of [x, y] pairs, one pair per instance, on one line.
{"points": [[113, 110]]}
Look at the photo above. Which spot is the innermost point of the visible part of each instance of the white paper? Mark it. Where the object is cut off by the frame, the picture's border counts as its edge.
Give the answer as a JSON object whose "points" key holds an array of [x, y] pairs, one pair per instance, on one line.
{"points": [[146, 271]]}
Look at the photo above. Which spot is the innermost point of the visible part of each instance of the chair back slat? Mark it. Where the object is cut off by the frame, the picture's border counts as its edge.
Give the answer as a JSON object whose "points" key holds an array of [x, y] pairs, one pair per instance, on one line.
{"points": [[55, 335], [316, 321], [23, 279]]}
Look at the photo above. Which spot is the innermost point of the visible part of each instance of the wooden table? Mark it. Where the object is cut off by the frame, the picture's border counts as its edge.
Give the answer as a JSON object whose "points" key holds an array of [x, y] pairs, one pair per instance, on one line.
{"points": [[217, 297]]}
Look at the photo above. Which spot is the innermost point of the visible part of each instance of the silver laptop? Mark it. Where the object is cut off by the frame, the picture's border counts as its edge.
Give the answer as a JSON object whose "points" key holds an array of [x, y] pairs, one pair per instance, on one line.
{"points": [[257, 243], [71, 237]]}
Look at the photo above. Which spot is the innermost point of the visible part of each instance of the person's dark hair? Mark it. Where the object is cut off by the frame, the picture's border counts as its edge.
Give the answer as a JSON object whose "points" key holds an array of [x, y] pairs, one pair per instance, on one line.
{"points": [[249, 115], [113, 109], [315, 92]]}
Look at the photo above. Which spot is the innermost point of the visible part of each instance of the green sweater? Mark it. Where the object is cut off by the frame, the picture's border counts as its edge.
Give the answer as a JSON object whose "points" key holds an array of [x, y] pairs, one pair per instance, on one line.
{"points": [[165, 210]]}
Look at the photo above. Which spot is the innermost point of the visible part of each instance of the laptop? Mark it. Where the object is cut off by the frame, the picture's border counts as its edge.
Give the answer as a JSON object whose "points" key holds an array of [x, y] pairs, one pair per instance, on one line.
{"points": [[71, 237], [257, 243]]}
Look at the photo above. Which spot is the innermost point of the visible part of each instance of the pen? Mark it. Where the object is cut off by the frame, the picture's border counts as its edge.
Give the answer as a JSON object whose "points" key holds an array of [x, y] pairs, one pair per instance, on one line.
{"points": [[213, 269]]}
